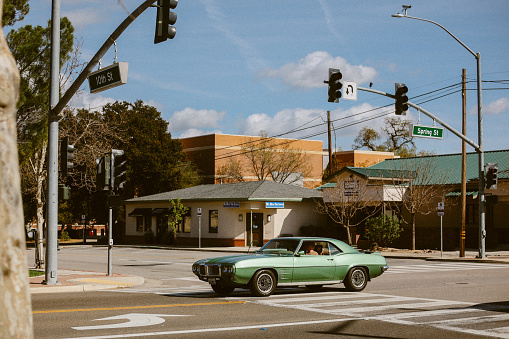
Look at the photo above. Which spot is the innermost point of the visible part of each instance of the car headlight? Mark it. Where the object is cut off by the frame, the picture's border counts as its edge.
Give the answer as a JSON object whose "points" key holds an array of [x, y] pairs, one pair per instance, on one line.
{"points": [[228, 269]]}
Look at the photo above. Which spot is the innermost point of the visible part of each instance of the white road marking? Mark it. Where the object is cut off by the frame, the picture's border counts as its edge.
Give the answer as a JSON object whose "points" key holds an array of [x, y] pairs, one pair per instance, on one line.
{"points": [[220, 329]]}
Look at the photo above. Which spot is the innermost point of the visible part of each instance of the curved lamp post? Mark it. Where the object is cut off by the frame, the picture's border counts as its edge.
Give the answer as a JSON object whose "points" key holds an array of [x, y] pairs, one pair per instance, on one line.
{"points": [[480, 151]]}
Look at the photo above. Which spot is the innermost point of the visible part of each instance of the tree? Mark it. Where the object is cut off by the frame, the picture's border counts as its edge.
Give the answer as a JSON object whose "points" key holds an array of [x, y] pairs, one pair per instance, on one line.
{"points": [[178, 211], [269, 157], [349, 203], [30, 47], [15, 306], [424, 184], [231, 171], [398, 138], [13, 11], [156, 162], [367, 138]]}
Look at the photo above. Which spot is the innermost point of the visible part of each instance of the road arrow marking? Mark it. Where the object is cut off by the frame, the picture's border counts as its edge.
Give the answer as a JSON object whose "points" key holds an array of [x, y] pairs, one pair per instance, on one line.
{"points": [[134, 320]]}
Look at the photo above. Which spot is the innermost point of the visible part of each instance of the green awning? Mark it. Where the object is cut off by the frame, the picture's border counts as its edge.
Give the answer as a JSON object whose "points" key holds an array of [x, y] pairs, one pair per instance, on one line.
{"points": [[458, 194], [161, 211], [140, 212]]}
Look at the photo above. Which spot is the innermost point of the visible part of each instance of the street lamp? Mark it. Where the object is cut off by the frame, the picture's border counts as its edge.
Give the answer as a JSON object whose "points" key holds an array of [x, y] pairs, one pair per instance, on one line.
{"points": [[482, 230]]}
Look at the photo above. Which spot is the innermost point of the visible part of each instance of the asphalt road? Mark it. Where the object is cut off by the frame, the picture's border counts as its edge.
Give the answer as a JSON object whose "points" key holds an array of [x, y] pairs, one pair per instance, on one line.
{"points": [[414, 299]]}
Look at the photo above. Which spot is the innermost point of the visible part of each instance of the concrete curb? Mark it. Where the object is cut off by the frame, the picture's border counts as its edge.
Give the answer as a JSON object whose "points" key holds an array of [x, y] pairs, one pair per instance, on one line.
{"points": [[74, 283]]}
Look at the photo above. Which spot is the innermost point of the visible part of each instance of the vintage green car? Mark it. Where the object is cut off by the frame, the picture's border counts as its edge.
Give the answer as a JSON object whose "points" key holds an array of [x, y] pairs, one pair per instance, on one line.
{"points": [[292, 261]]}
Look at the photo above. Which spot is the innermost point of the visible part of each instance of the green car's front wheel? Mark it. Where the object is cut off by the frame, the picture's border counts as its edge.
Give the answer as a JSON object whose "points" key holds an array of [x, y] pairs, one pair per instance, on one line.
{"points": [[222, 289], [263, 283], [356, 279]]}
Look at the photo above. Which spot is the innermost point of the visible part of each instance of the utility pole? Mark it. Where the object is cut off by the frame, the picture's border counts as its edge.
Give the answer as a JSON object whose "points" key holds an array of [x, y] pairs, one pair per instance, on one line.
{"points": [[329, 137], [52, 200], [463, 165]]}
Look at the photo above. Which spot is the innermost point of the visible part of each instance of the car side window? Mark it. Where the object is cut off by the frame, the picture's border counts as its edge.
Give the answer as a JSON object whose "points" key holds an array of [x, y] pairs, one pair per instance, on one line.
{"points": [[333, 249]]}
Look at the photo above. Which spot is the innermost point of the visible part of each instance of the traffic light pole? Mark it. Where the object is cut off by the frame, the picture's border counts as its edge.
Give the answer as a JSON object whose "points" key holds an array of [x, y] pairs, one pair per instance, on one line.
{"points": [[51, 277], [98, 56], [56, 107], [110, 241], [477, 147]]}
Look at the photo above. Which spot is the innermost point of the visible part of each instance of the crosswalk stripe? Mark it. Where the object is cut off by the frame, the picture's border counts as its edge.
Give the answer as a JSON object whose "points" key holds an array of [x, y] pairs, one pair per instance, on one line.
{"points": [[442, 267], [399, 310]]}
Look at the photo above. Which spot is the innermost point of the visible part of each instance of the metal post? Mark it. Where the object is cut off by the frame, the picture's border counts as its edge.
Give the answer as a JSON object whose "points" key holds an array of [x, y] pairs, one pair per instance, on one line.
{"points": [[110, 241], [199, 231], [463, 166], [51, 276], [480, 150], [330, 145], [482, 215], [251, 237], [441, 237]]}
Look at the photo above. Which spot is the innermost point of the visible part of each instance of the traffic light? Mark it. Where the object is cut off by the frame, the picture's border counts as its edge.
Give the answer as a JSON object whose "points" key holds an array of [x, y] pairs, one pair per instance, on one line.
{"points": [[491, 171], [401, 99], [334, 84], [120, 164], [118, 169], [165, 18], [64, 192], [102, 174], [66, 157]]}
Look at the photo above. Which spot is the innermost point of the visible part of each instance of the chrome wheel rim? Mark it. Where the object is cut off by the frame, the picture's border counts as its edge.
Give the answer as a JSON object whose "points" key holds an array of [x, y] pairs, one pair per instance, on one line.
{"points": [[264, 283], [358, 278]]}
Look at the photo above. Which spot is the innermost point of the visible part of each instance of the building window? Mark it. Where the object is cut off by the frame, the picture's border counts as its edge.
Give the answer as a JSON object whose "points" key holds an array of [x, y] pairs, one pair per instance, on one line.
{"points": [[139, 223], [213, 221], [187, 224], [148, 223]]}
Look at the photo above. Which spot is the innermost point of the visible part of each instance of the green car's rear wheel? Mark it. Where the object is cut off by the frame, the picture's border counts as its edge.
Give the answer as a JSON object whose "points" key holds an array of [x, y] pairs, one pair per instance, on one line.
{"points": [[263, 283], [356, 279], [222, 289]]}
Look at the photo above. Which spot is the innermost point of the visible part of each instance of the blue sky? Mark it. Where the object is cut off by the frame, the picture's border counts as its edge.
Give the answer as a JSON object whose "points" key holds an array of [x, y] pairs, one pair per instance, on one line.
{"points": [[243, 66]]}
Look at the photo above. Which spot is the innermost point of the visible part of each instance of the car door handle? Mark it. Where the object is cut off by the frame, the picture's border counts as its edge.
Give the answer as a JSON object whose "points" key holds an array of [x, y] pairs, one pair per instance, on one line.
{"points": [[330, 259]]}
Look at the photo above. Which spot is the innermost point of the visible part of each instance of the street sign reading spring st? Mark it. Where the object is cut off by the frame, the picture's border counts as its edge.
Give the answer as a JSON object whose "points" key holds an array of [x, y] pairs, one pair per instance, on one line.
{"points": [[427, 131], [108, 77]]}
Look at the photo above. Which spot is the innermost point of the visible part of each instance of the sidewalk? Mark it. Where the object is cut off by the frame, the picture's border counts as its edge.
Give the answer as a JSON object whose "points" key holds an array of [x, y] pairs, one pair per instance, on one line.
{"points": [[79, 281]]}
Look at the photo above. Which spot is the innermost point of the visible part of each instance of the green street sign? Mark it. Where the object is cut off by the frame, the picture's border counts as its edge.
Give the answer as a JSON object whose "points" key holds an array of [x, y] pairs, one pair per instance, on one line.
{"points": [[108, 77], [427, 131]]}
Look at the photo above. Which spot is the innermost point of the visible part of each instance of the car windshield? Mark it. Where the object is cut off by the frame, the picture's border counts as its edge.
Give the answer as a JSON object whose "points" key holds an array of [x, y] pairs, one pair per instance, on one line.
{"points": [[281, 246]]}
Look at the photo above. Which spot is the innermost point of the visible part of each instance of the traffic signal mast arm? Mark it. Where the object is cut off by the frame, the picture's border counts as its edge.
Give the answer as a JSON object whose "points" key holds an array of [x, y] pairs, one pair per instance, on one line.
{"points": [[446, 126], [98, 56]]}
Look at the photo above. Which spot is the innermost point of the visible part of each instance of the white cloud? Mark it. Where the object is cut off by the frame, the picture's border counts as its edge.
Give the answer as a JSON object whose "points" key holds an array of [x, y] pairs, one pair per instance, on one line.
{"points": [[193, 132], [90, 101], [312, 70], [494, 107], [83, 17], [312, 123], [191, 118]]}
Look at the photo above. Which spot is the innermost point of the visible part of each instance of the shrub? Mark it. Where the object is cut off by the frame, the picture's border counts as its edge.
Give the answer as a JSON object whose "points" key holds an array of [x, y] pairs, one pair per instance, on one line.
{"points": [[64, 235], [382, 230]]}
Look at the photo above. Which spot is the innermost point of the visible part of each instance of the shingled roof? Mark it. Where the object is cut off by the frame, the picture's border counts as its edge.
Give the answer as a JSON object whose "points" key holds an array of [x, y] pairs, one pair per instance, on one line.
{"points": [[241, 191]]}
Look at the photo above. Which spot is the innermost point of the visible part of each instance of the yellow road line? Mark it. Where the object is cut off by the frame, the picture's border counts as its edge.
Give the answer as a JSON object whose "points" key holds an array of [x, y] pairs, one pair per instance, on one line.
{"points": [[138, 307]]}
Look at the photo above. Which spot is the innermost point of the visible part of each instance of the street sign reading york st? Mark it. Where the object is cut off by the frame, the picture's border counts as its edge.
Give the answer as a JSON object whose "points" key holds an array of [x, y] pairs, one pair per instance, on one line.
{"points": [[108, 77], [427, 131]]}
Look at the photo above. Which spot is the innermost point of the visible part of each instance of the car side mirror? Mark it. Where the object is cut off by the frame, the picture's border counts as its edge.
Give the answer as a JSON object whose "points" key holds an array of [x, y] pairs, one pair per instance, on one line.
{"points": [[300, 253]]}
